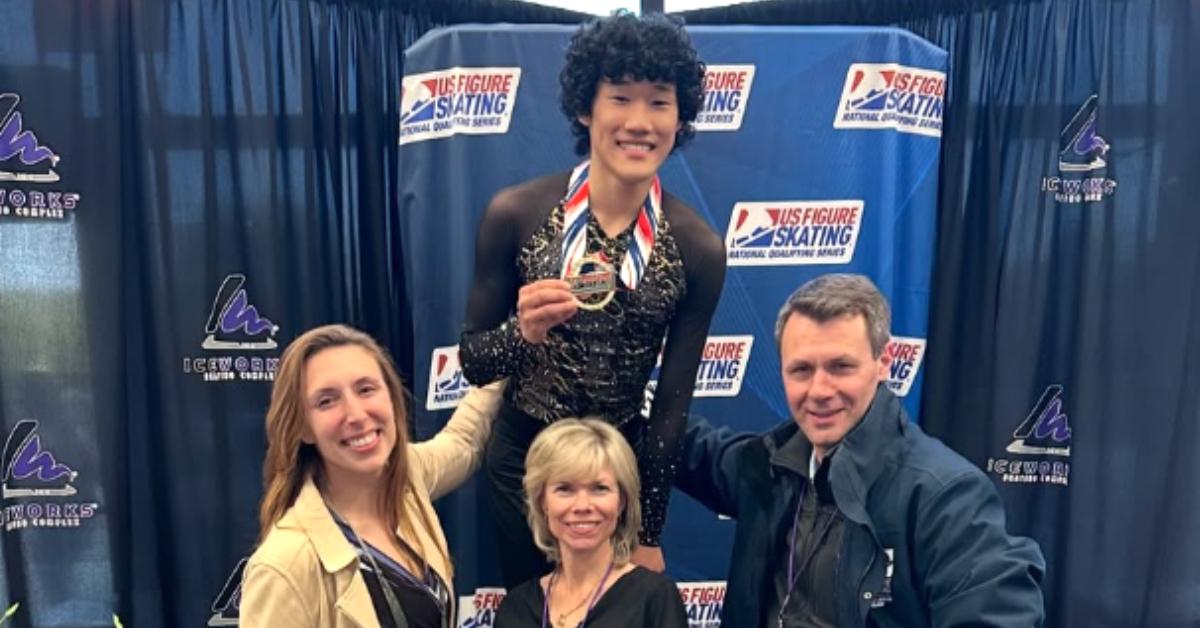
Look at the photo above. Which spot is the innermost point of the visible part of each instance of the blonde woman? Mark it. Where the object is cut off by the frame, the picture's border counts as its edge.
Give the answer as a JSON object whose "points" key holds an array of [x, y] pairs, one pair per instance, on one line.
{"points": [[581, 487], [348, 534]]}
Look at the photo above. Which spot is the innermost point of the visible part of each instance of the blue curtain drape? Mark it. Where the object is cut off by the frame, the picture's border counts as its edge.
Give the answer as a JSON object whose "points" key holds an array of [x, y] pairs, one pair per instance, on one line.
{"points": [[1064, 351], [185, 186], [167, 163]]}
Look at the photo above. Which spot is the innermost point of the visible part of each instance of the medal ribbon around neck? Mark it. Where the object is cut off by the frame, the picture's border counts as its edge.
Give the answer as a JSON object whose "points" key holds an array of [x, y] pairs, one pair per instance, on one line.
{"points": [[575, 219]]}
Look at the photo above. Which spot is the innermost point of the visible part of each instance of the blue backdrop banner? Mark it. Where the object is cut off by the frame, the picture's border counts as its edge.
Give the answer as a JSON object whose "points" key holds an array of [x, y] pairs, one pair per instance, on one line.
{"points": [[817, 152]]}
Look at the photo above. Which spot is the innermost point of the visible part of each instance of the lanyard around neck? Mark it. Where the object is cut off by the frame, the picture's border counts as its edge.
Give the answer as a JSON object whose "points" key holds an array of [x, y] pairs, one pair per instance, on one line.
{"points": [[595, 596], [397, 613], [794, 571], [389, 595]]}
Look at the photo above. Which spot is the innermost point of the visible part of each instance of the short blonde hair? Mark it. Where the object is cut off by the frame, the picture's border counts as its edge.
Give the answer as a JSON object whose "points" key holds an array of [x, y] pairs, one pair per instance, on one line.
{"points": [[582, 448]]}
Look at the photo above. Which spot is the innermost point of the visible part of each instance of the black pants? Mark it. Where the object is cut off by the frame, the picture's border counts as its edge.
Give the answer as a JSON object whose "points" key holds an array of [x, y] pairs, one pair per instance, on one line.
{"points": [[504, 464]]}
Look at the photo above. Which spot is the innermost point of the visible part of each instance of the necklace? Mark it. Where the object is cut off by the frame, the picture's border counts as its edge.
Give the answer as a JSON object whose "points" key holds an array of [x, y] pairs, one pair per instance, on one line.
{"points": [[562, 617], [561, 622]]}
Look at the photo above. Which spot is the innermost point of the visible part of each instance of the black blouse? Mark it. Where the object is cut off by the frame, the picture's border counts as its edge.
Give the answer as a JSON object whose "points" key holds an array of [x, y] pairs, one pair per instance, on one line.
{"points": [[425, 601], [638, 599]]}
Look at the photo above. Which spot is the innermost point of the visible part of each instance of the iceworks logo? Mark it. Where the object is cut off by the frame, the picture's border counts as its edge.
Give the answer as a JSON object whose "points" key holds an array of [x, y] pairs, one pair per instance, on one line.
{"points": [[26, 164], [235, 324], [31, 470], [22, 156], [1083, 149], [1041, 445], [1082, 155], [227, 606], [1045, 430]]}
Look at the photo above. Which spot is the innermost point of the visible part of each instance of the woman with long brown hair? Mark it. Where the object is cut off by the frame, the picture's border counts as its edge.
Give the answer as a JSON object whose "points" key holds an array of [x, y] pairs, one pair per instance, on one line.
{"points": [[348, 534]]}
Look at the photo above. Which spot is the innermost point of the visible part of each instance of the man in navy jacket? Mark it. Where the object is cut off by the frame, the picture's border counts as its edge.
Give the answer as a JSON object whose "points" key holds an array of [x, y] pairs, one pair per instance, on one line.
{"points": [[850, 515]]}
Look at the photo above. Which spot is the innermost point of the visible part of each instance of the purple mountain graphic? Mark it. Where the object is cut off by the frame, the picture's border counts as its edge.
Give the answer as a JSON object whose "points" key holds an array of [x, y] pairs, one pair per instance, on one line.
{"points": [[29, 469], [241, 315], [33, 162], [1046, 429], [1082, 149], [1088, 142], [33, 460], [233, 315], [1052, 423]]}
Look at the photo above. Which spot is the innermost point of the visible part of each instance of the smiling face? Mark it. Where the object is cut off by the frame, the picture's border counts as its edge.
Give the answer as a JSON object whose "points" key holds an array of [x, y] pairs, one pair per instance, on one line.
{"points": [[829, 375], [349, 411], [632, 129], [582, 513]]}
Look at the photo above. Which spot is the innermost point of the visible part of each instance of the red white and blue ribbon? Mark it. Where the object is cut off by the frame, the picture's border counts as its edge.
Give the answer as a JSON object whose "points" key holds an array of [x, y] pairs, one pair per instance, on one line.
{"points": [[575, 219]]}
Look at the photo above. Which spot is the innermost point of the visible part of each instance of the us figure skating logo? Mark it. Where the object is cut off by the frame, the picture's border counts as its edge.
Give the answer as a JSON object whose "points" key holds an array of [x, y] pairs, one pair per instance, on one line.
{"points": [[726, 96], [793, 232], [479, 610], [906, 355], [703, 602], [892, 96], [447, 386], [472, 101], [722, 368]]}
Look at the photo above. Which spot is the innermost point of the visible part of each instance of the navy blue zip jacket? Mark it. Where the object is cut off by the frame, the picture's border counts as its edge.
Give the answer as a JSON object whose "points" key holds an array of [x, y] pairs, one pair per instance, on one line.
{"points": [[924, 542]]}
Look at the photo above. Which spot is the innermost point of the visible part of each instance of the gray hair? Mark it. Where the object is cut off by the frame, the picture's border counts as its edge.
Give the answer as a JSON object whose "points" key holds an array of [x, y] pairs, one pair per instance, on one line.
{"points": [[838, 294]]}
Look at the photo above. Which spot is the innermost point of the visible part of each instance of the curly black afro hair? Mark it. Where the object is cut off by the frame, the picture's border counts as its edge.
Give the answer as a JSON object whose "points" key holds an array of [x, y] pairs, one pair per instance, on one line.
{"points": [[624, 46]]}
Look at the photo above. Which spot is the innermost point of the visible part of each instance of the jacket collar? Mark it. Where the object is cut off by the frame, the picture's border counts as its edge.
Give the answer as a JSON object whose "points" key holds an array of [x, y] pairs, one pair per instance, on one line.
{"points": [[789, 448], [864, 453], [310, 514], [861, 456]]}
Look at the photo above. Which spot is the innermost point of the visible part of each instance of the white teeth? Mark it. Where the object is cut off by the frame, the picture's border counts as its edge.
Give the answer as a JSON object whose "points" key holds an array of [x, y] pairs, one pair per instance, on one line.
{"points": [[637, 147], [365, 439], [581, 526]]}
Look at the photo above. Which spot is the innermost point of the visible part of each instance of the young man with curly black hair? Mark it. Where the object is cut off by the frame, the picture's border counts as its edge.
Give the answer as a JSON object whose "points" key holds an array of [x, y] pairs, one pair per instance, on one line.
{"points": [[579, 277]]}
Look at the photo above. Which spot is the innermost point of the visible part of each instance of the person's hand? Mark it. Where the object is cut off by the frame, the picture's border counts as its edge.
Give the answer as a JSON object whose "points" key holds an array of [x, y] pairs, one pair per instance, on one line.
{"points": [[542, 305], [649, 557]]}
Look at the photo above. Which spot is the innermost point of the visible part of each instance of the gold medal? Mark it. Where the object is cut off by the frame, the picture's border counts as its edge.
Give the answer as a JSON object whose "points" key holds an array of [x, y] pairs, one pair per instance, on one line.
{"points": [[593, 282]]}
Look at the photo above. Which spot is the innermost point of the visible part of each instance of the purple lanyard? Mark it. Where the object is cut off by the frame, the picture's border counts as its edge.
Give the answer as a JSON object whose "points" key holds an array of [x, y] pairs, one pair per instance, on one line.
{"points": [[595, 596], [795, 572]]}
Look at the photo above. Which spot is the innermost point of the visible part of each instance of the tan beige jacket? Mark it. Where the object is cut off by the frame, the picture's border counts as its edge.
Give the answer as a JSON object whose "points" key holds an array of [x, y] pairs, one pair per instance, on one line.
{"points": [[306, 573]]}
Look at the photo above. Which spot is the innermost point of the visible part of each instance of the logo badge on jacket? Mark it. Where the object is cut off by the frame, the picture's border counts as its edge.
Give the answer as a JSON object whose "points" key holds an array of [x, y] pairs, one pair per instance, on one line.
{"points": [[884, 595]]}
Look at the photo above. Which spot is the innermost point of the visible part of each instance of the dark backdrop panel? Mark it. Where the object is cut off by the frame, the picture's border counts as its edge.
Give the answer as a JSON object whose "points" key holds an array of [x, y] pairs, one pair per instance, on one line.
{"points": [[58, 246], [1075, 310], [228, 152], [786, 152]]}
